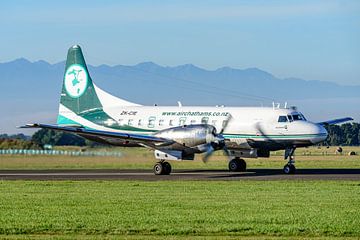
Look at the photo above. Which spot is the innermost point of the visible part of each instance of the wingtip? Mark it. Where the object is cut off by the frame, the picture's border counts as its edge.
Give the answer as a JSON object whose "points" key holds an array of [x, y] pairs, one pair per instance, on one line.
{"points": [[29, 125]]}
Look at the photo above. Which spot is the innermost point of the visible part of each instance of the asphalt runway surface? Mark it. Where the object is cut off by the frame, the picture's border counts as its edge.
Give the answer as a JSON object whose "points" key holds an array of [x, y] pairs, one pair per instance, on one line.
{"points": [[204, 175]]}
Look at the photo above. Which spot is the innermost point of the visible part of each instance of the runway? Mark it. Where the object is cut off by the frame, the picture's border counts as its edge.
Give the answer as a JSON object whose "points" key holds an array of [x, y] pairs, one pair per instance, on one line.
{"points": [[202, 175]]}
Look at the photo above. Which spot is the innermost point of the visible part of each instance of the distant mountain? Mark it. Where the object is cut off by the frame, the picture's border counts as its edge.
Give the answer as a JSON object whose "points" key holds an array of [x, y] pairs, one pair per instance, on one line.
{"points": [[31, 89]]}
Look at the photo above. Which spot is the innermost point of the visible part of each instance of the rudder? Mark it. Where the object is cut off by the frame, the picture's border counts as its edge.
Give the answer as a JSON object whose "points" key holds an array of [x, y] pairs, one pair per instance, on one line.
{"points": [[78, 93]]}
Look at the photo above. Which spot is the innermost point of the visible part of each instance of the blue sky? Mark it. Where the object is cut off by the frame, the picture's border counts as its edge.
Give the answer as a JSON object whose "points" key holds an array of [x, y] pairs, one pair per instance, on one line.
{"points": [[306, 39]]}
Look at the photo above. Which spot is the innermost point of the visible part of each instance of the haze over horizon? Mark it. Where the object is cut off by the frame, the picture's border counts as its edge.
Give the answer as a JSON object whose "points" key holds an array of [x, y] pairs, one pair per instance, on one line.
{"points": [[318, 100]]}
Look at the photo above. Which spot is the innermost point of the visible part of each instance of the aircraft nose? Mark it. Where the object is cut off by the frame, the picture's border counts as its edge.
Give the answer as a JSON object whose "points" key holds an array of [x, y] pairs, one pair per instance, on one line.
{"points": [[320, 133]]}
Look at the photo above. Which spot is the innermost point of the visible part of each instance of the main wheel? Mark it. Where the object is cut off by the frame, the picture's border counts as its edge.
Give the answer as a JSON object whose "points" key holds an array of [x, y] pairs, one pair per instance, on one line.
{"points": [[158, 168], [289, 169], [242, 165], [167, 168], [237, 165]]}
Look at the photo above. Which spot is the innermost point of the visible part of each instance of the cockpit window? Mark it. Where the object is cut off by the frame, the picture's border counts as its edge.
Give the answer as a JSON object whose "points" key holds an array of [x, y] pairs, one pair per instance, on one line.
{"points": [[298, 117], [303, 117], [290, 118], [282, 119]]}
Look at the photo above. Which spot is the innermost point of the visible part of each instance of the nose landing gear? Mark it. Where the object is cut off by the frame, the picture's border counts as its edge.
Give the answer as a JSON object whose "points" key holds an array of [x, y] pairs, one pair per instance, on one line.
{"points": [[289, 168]]}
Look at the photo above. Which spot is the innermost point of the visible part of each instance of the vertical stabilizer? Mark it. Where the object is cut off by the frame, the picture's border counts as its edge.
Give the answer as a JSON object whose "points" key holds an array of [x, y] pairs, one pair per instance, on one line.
{"points": [[78, 93]]}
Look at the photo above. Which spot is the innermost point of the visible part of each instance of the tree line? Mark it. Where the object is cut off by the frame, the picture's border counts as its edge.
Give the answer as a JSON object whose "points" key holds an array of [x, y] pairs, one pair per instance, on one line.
{"points": [[339, 135], [347, 134]]}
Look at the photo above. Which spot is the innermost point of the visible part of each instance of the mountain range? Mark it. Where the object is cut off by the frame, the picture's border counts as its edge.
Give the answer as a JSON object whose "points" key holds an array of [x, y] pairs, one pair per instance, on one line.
{"points": [[29, 91]]}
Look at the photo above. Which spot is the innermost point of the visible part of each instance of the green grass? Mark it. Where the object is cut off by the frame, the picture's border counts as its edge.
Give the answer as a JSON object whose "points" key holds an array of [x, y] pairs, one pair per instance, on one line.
{"points": [[140, 158], [180, 209]]}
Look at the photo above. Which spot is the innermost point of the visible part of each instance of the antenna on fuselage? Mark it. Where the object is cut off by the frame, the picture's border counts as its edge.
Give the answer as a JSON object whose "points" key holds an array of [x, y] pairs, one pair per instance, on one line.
{"points": [[179, 104], [276, 105]]}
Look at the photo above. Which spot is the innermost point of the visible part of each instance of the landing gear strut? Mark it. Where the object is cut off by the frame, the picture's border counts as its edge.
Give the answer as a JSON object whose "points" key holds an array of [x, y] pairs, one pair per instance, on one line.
{"points": [[162, 168], [289, 168], [237, 165]]}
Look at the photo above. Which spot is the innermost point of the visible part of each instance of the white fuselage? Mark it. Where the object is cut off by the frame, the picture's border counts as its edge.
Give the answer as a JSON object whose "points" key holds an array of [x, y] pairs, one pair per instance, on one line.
{"points": [[271, 128], [256, 124]]}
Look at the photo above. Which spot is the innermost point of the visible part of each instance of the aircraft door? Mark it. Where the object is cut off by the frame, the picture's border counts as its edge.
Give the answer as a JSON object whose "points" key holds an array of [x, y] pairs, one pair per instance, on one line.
{"points": [[281, 126]]}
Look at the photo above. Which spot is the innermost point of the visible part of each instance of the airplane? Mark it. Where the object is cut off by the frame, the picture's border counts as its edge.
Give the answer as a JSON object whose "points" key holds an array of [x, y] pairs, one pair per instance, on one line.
{"points": [[179, 132]]}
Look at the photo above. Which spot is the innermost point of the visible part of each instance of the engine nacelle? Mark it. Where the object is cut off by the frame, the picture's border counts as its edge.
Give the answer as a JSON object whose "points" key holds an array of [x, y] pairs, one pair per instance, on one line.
{"points": [[173, 155], [250, 153], [193, 136]]}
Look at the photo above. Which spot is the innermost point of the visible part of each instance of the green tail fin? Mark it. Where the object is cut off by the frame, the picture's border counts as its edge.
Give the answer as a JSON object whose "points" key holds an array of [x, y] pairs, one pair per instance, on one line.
{"points": [[78, 93]]}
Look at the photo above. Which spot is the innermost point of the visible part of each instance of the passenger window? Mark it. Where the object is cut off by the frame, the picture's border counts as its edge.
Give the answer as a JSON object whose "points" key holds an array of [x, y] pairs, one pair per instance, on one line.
{"points": [[161, 122], [130, 122], [151, 123], [282, 119], [139, 123], [182, 121], [205, 120], [171, 122]]}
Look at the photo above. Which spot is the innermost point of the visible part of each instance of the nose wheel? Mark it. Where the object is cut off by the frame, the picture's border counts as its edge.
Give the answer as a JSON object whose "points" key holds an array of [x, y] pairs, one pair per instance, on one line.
{"points": [[162, 168], [289, 168]]}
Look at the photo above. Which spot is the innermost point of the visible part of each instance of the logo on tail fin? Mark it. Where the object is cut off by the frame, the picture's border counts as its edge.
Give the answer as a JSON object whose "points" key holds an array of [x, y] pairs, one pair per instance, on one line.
{"points": [[76, 80]]}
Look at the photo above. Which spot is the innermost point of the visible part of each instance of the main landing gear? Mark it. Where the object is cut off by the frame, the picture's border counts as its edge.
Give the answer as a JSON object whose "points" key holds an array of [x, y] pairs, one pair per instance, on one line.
{"points": [[289, 168], [162, 168], [237, 165]]}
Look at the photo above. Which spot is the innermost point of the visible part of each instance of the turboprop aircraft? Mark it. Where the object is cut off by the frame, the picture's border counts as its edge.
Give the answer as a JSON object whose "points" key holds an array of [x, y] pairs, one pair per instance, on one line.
{"points": [[180, 132]]}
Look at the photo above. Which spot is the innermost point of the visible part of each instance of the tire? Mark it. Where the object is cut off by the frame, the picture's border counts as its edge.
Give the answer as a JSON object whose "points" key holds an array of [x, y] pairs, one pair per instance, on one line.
{"points": [[167, 168], [242, 165], [234, 165], [237, 165], [289, 169], [158, 169]]}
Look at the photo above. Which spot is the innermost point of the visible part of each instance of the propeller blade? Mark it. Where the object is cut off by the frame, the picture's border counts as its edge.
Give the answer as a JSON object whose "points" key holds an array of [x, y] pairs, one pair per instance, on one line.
{"points": [[261, 131], [225, 124], [226, 151], [208, 154]]}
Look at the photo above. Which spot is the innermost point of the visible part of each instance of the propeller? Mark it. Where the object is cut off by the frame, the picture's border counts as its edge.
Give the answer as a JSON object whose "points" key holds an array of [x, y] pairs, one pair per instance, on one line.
{"points": [[260, 130], [217, 141]]}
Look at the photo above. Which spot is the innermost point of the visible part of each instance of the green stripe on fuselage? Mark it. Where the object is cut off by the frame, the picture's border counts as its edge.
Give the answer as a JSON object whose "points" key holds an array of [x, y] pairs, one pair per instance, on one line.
{"points": [[61, 120], [246, 136]]}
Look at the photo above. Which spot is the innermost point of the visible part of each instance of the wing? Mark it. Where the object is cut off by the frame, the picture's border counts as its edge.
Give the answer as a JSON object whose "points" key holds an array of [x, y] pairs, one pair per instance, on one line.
{"points": [[106, 136], [336, 121]]}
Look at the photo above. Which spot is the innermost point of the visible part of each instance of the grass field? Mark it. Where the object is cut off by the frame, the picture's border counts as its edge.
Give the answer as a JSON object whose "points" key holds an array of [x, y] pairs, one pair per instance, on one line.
{"points": [[86, 209], [180, 209], [140, 158]]}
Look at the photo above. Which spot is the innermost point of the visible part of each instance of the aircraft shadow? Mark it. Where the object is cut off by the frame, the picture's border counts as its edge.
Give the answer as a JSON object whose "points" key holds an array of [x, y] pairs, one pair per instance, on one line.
{"points": [[277, 172]]}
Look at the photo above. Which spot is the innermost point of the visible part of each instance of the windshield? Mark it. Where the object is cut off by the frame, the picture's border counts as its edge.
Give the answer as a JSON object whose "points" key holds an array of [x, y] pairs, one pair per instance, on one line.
{"points": [[298, 117], [292, 117]]}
